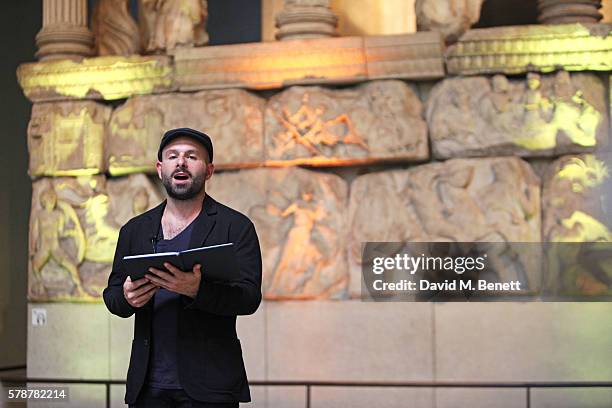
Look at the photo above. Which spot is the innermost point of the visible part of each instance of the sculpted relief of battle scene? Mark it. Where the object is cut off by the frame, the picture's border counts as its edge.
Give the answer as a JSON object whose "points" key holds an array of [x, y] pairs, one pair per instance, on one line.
{"points": [[74, 225], [93, 168]]}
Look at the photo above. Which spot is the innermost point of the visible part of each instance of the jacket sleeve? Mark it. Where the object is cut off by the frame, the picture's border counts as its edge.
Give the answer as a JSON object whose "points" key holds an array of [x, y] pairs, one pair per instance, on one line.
{"points": [[113, 294], [241, 297]]}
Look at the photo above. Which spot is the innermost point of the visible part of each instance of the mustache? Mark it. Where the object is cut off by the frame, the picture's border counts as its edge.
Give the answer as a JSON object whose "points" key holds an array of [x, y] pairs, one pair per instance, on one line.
{"points": [[181, 170]]}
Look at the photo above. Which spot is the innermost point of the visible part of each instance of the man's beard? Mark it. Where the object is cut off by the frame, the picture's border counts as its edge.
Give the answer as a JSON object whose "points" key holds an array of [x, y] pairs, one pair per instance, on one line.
{"points": [[183, 191]]}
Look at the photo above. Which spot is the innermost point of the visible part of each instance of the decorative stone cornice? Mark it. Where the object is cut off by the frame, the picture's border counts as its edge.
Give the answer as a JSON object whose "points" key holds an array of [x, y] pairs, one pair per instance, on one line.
{"points": [[96, 78], [316, 61], [543, 48]]}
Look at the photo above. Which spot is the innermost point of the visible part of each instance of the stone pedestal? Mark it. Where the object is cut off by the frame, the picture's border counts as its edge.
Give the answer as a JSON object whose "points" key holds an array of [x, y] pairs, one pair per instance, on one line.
{"points": [[64, 33], [569, 11], [301, 19]]}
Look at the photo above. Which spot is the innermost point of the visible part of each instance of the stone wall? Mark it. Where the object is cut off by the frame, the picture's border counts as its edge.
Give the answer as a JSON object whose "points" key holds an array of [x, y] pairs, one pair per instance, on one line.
{"points": [[497, 145]]}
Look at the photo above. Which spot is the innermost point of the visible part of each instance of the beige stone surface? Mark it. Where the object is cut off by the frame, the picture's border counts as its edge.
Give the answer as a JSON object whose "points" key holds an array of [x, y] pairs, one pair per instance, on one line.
{"points": [[120, 337], [366, 397], [74, 226], [576, 201], [451, 17], [377, 121], [571, 397], [541, 116], [350, 341], [463, 200], [74, 342], [117, 396], [232, 118], [529, 341], [285, 397], [481, 397], [300, 221], [67, 138], [168, 24], [252, 333], [114, 29]]}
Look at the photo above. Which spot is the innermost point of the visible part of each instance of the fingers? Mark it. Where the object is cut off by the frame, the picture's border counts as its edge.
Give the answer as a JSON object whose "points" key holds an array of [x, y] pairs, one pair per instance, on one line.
{"points": [[141, 299], [143, 289], [131, 285]]}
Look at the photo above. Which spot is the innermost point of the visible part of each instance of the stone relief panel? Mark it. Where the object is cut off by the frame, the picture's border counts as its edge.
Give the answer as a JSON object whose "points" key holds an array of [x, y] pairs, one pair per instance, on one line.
{"points": [[232, 118], [377, 121], [74, 226], [67, 138], [136, 189], [299, 216], [541, 116], [577, 208], [462, 200], [168, 24]]}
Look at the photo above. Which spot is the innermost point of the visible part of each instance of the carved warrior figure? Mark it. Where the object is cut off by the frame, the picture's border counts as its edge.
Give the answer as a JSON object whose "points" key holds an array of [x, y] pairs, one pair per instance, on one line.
{"points": [[167, 24], [543, 115], [49, 226], [115, 31]]}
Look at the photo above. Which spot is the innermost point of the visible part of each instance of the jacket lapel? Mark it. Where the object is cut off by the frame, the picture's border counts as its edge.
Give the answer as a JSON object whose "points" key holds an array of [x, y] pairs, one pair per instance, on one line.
{"points": [[204, 223]]}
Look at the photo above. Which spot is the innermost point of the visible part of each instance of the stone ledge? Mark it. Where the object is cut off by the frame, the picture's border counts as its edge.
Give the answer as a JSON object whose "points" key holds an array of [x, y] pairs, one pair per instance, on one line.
{"points": [[316, 61], [105, 78], [543, 48]]}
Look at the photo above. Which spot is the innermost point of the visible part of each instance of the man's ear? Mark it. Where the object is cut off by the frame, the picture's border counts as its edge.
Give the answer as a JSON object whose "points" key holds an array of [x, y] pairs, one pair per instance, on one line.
{"points": [[210, 169], [158, 167]]}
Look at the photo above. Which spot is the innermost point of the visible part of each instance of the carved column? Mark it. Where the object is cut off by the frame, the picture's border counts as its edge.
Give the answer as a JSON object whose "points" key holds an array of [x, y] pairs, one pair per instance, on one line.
{"points": [[569, 11], [306, 19], [64, 33]]}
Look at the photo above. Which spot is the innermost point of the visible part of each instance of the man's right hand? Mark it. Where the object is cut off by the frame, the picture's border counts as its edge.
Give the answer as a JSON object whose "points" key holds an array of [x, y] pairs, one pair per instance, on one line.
{"points": [[139, 292]]}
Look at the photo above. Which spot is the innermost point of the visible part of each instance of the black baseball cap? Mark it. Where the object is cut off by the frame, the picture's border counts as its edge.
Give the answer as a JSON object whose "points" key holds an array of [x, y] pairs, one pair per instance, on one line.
{"points": [[198, 136]]}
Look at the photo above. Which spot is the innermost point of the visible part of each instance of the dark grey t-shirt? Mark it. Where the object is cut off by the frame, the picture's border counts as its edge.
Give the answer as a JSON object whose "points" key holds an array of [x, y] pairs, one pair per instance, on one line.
{"points": [[163, 372]]}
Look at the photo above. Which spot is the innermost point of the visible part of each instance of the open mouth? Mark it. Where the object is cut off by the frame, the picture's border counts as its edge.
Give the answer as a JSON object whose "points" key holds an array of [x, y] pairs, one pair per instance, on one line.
{"points": [[181, 176]]}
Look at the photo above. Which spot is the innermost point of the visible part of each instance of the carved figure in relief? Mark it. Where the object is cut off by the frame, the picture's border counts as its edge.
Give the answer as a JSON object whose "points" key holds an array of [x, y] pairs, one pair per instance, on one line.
{"points": [[115, 31], [50, 226], [166, 24], [301, 254], [307, 128]]}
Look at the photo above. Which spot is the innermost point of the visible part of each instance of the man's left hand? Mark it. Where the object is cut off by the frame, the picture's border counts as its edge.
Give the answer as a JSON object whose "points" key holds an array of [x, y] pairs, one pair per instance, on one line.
{"points": [[176, 280]]}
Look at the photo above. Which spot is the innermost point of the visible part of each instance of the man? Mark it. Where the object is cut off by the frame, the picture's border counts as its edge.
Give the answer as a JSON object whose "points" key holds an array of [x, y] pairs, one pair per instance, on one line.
{"points": [[185, 351]]}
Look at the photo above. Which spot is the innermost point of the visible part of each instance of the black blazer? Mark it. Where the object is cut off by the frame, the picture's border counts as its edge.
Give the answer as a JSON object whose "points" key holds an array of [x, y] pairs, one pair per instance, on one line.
{"points": [[210, 364]]}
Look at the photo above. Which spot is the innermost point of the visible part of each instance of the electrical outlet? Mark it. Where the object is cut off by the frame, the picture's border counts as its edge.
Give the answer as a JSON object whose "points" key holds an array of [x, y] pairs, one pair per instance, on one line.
{"points": [[39, 317]]}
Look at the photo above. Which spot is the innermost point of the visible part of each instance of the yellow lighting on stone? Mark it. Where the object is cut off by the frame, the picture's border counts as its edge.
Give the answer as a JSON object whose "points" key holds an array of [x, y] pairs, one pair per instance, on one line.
{"points": [[588, 172], [578, 120], [585, 228], [109, 77]]}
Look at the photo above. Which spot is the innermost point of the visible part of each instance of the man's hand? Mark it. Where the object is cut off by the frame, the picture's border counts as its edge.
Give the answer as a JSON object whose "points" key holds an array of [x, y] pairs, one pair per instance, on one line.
{"points": [[139, 292], [184, 283]]}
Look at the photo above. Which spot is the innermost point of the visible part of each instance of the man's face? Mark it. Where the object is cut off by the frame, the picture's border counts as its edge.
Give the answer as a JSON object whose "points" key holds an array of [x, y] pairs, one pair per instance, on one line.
{"points": [[184, 168]]}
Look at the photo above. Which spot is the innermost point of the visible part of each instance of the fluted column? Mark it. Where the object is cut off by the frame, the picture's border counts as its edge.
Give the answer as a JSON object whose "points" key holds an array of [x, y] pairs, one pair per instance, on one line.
{"points": [[64, 33], [306, 19]]}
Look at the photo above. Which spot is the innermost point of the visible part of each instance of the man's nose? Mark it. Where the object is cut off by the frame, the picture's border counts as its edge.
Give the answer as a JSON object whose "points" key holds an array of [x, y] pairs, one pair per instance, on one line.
{"points": [[181, 160]]}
